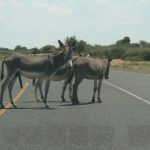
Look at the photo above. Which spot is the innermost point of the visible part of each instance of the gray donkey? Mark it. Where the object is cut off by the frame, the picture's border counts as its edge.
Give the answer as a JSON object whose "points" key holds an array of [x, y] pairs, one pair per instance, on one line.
{"points": [[64, 73], [90, 68], [38, 67]]}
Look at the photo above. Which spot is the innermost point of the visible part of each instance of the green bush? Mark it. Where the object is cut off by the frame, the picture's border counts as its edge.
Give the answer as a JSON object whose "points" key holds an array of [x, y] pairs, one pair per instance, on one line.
{"points": [[123, 49]]}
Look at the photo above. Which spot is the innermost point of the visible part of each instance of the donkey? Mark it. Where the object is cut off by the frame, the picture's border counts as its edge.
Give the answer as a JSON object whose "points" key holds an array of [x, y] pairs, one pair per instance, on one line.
{"points": [[38, 67], [64, 73], [90, 68]]}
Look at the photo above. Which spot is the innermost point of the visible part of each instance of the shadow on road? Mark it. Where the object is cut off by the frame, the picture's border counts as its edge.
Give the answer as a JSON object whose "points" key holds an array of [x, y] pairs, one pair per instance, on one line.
{"points": [[83, 103], [47, 101], [31, 108], [59, 101]]}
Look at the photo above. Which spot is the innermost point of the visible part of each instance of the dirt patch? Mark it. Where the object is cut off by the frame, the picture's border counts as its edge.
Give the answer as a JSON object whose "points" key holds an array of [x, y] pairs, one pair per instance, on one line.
{"points": [[117, 62], [135, 65]]}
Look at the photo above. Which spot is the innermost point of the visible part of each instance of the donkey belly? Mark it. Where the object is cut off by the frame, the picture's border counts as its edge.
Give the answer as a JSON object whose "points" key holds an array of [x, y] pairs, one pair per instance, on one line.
{"points": [[31, 75], [91, 75], [59, 77]]}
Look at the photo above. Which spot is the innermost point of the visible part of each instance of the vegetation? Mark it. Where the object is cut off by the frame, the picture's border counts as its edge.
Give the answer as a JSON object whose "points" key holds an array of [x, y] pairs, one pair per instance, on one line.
{"points": [[122, 49], [131, 65]]}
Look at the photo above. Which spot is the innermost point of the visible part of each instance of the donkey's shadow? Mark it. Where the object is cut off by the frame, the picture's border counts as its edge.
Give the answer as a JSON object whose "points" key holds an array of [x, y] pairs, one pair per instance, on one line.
{"points": [[81, 103], [30, 108]]}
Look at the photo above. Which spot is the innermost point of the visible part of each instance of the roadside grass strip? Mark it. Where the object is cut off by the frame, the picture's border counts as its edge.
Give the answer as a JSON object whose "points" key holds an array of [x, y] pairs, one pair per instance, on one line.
{"points": [[142, 74]]}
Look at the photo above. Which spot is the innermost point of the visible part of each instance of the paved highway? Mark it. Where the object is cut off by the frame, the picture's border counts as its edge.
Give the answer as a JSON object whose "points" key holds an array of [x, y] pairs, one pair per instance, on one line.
{"points": [[121, 122]]}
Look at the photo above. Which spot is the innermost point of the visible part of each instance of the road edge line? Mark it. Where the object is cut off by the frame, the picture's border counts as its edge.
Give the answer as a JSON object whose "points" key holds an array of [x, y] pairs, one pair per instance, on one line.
{"points": [[127, 92]]}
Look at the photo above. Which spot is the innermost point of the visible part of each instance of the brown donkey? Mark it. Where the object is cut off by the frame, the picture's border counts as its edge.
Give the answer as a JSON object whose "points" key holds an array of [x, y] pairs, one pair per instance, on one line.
{"points": [[38, 67], [64, 73], [90, 68]]}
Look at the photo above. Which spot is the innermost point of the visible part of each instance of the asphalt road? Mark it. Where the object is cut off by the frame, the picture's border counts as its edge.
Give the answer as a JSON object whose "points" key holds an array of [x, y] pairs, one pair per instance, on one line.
{"points": [[121, 122]]}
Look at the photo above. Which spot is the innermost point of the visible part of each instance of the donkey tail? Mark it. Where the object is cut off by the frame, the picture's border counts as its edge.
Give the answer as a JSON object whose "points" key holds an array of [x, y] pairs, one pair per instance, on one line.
{"points": [[76, 70], [33, 81], [2, 71], [70, 78], [20, 79]]}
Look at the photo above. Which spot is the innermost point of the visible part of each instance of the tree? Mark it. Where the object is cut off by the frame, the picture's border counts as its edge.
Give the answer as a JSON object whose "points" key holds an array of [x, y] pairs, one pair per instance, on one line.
{"points": [[125, 40], [81, 46], [142, 43], [34, 50], [70, 40], [46, 48], [116, 52], [3, 49], [19, 47]]}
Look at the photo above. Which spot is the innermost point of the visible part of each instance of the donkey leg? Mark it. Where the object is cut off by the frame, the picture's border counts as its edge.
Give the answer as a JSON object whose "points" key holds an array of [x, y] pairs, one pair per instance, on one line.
{"points": [[40, 89], [10, 88], [63, 90], [99, 90], [37, 85], [47, 84], [70, 90], [75, 90], [66, 82], [70, 79], [3, 87], [94, 91], [35, 91]]}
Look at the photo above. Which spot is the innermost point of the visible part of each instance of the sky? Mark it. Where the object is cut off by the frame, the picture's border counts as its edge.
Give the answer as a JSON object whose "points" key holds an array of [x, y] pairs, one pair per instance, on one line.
{"points": [[36, 23]]}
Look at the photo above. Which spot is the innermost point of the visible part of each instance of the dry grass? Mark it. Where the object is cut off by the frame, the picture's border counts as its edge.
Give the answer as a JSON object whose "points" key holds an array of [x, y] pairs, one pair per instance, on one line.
{"points": [[136, 65], [2, 57], [121, 64]]}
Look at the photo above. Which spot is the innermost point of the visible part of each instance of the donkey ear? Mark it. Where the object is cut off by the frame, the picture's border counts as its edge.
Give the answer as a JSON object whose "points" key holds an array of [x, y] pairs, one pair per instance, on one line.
{"points": [[73, 44], [110, 59], [80, 54], [59, 53], [60, 44]]}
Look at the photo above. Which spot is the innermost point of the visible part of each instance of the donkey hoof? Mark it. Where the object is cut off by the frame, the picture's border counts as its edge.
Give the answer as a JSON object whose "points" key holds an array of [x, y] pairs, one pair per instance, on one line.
{"points": [[38, 100], [14, 105], [99, 100], [93, 101], [42, 98], [2, 106], [46, 105], [77, 102], [63, 100], [73, 102]]}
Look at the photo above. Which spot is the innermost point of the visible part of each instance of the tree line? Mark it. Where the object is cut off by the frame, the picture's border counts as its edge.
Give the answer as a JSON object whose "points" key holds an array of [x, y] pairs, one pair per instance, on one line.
{"points": [[121, 49]]}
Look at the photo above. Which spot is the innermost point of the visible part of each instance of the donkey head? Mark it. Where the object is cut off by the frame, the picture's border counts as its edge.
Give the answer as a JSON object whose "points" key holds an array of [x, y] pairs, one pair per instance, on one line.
{"points": [[107, 68], [67, 49], [64, 55]]}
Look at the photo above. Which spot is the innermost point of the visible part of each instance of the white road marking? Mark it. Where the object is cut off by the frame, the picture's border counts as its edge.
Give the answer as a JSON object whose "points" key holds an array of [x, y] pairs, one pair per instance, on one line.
{"points": [[125, 91]]}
